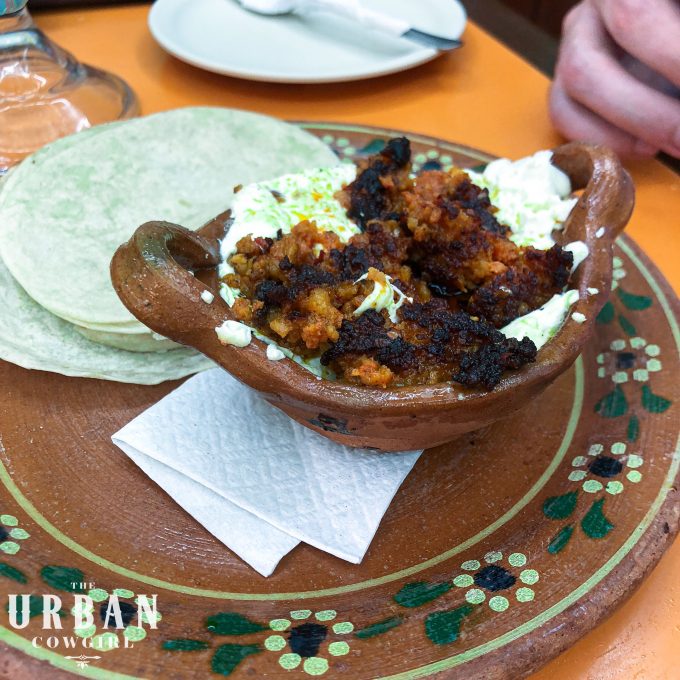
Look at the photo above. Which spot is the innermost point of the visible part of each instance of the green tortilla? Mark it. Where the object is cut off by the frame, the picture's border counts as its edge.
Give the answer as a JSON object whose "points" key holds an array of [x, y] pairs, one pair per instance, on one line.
{"points": [[33, 338], [32, 165], [64, 212], [93, 332], [133, 342]]}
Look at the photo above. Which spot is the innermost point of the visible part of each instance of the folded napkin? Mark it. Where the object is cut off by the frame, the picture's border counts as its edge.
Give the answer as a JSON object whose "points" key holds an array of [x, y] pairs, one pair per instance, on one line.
{"points": [[257, 480]]}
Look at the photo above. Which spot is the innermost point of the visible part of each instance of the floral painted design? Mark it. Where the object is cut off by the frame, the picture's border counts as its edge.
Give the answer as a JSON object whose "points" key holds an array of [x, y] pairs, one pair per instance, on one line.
{"points": [[108, 639], [303, 640], [599, 470], [495, 583], [432, 160], [344, 149], [631, 362], [602, 472], [306, 639], [618, 272], [10, 534], [629, 359]]}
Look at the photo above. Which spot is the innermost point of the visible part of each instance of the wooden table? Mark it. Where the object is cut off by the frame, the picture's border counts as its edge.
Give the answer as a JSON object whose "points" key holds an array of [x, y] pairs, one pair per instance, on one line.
{"points": [[484, 96]]}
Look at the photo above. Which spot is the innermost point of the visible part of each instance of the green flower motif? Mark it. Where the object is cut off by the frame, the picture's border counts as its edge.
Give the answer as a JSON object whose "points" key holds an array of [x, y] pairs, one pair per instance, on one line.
{"points": [[342, 147], [10, 534], [598, 469], [483, 582], [108, 639], [431, 160], [629, 359], [301, 637], [618, 272]]}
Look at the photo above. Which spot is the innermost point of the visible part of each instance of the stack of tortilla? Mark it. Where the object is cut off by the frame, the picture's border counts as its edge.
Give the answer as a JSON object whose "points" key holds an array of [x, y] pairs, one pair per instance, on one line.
{"points": [[65, 210]]}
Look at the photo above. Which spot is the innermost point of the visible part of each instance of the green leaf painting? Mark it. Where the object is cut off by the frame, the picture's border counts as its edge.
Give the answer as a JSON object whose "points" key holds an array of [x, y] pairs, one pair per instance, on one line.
{"points": [[379, 627], [415, 594], [444, 627], [613, 404], [595, 524], [560, 540], [633, 431], [635, 303], [63, 578], [184, 645], [627, 326], [560, 507], [653, 402], [230, 623], [374, 146], [607, 314], [227, 657], [9, 571]]}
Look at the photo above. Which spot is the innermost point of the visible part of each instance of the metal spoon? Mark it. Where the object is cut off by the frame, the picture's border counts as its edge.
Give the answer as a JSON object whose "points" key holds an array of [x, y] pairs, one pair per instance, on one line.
{"points": [[352, 9]]}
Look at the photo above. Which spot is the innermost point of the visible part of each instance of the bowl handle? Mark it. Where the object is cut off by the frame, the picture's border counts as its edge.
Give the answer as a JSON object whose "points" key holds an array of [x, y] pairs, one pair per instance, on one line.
{"points": [[153, 274], [608, 188]]}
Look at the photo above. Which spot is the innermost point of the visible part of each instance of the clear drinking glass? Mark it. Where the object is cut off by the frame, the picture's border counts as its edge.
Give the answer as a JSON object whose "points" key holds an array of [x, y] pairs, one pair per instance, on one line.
{"points": [[44, 92]]}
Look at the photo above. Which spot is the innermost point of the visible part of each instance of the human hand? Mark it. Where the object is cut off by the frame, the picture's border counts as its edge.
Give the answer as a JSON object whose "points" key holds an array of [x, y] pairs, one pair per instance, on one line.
{"points": [[617, 80]]}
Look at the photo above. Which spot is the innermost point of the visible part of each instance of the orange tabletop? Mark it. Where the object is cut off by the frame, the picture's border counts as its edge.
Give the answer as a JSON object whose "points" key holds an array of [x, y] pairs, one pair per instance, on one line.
{"points": [[484, 96]]}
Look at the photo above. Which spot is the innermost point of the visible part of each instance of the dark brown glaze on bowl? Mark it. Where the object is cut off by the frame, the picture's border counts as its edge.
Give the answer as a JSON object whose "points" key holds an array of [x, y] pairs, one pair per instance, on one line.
{"points": [[150, 275]]}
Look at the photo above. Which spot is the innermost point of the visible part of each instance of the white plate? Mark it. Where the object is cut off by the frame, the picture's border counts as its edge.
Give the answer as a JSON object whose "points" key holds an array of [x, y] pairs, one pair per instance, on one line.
{"points": [[220, 36]]}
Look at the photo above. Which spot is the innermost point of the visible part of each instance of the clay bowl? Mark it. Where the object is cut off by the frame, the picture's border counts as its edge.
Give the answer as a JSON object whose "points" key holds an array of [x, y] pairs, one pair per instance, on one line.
{"points": [[150, 274]]}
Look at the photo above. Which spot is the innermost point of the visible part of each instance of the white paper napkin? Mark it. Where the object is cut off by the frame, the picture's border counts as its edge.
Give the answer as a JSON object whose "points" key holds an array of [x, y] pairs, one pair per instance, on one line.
{"points": [[257, 480]]}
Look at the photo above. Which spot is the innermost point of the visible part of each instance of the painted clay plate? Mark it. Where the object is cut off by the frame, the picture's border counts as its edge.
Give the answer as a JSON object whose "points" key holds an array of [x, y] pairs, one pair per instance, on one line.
{"points": [[499, 551]]}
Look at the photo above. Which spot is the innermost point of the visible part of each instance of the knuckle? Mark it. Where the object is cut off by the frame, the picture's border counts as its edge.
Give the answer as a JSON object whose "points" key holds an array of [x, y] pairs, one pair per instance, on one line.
{"points": [[621, 15], [658, 128], [571, 18], [555, 107], [561, 122], [560, 113], [575, 71], [672, 141]]}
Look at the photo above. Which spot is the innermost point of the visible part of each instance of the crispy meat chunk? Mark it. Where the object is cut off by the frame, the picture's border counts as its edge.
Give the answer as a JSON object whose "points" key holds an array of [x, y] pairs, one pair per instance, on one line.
{"points": [[374, 193], [458, 244], [367, 335], [430, 342], [473, 351], [486, 366], [379, 246], [460, 248], [469, 197], [530, 282]]}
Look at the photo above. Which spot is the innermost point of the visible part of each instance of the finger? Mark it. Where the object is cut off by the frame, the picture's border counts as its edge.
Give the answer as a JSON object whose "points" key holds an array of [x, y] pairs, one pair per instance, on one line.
{"points": [[653, 79], [576, 122], [593, 77], [647, 29], [573, 16]]}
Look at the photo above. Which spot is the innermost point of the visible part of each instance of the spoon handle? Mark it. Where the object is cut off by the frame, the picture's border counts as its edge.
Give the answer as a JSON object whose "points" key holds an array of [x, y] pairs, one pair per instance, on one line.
{"points": [[353, 9]]}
